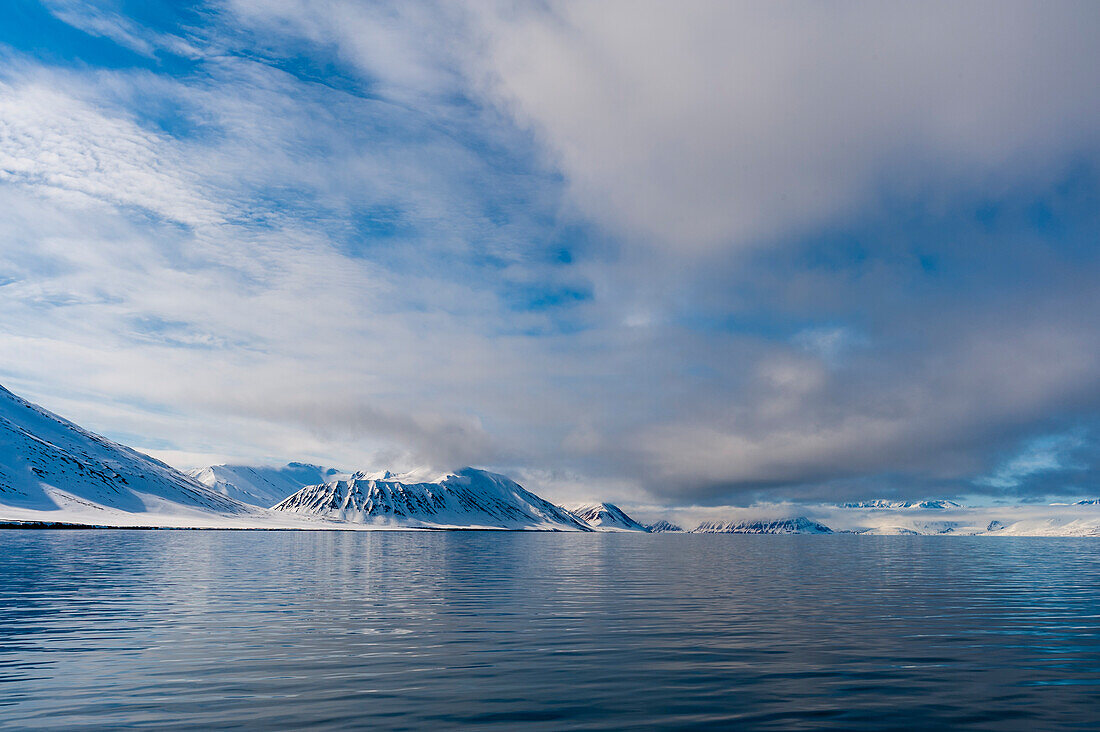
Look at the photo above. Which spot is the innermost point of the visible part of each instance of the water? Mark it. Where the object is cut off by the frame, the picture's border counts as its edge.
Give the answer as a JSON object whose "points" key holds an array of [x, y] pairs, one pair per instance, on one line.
{"points": [[555, 631]]}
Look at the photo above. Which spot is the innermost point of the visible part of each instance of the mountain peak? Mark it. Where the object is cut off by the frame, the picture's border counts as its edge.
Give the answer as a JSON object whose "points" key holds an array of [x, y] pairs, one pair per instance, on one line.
{"points": [[606, 517], [468, 498]]}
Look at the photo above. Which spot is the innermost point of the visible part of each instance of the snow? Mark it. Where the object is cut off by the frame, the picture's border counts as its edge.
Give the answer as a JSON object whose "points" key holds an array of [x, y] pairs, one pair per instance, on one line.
{"points": [[49, 465], [1060, 525], [605, 517], [924, 505], [799, 525], [469, 498], [663, 526], [1071, 520], [54, 472], [884, 518], [262, 486]]}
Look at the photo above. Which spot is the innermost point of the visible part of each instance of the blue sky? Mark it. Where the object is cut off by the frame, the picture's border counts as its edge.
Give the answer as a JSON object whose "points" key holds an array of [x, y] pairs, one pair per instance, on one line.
{"points": [[696, 254]]}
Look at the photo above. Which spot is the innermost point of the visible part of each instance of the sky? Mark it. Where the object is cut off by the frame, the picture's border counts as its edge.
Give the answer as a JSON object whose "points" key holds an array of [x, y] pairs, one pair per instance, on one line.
{"points": [[660, 253]]}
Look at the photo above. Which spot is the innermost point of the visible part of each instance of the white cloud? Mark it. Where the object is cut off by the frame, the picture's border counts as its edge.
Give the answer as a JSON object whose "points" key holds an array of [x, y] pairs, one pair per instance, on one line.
{"points": [[405, 48], [723, 125], [204, 282], [828, 343], [53, 141]]}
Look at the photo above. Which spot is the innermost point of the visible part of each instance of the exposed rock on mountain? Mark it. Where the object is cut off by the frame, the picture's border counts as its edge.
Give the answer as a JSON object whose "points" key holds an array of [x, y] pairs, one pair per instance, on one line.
{"points": [[469, 498], [606, 517], [800, 525], [929, 505], [662, 527]]}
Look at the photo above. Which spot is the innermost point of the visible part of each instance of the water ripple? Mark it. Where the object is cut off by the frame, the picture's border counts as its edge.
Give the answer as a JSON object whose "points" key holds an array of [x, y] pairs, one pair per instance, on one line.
{"points": [[549, 631]]}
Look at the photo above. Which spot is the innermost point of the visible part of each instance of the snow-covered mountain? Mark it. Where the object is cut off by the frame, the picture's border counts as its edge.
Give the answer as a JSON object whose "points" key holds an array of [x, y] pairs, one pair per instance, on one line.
{"points": [[1058, 525], [918, 528], [262, 486], [939, 505], [800, 525], [606, 517], [1023, 520], [1088, 502], [469, 498], [51, 469], [663, 526]]}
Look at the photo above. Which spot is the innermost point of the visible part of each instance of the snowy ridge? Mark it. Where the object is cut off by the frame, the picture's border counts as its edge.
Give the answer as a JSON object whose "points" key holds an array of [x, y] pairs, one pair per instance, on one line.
{"points": [[800, 525], [663, 527], [469, 498], [262, 486], [606, 517], [51, 466]]}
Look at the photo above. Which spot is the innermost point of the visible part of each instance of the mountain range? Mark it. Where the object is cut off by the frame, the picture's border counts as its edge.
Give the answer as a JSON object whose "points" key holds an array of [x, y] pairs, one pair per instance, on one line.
{"points": [[925, 505], [54, 472], [799, 525]]}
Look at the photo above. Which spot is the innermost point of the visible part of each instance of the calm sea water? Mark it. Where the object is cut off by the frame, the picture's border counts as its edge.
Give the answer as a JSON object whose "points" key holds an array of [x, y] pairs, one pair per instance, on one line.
{"points": [[555, 631]]}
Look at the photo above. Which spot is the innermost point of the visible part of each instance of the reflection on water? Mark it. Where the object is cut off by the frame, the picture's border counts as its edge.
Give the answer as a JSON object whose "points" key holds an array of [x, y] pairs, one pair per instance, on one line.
{"points": [[558, 631]]}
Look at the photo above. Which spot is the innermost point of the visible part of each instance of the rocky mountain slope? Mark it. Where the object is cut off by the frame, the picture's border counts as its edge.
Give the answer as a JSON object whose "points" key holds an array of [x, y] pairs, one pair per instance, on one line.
{"points": [[469, 498], [800, 525], [606, 517], [50, 467]]}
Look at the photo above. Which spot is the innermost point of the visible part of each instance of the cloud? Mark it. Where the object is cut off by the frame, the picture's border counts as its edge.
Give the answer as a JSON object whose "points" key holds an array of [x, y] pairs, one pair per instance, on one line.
{"points": [[828, 343], [103, 21], [63, 146], [724, 125], [215, 271], [1056, 454], [404, 49], [723, 253]]}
